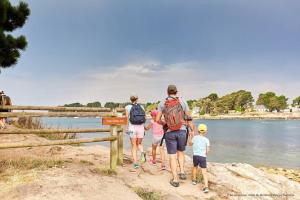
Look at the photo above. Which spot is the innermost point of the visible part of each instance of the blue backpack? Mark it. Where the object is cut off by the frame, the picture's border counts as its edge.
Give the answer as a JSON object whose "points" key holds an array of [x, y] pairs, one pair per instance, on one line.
{"points": [[137, 115]]}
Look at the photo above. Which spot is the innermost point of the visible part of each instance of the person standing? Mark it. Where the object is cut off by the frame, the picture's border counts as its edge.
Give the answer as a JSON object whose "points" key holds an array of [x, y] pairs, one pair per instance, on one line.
{"points": [[135, 128], [4, 101], [177, 117]]}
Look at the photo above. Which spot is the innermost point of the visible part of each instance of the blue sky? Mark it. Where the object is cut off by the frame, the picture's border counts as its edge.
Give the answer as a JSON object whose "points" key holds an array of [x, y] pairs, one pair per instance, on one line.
{"points": [[103, 50]]}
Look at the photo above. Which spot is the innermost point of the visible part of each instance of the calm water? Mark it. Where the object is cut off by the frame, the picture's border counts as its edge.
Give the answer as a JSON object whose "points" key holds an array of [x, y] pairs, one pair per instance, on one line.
{"points": [[258, 142]]}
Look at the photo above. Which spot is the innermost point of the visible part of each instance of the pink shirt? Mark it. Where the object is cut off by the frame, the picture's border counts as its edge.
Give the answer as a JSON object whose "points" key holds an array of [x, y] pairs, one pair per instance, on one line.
{"points": [[157, 129]]}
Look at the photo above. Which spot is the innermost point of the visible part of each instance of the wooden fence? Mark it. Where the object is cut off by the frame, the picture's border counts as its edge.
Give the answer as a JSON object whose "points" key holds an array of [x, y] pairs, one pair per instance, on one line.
{"points": [[116, 131]]}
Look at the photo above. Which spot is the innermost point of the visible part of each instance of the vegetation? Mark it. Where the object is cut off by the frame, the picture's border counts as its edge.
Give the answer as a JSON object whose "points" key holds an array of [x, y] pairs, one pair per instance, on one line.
{"points": [[296, 101], [238, 101], [11, 18], [272, 102], [104, 171], [95, 104], [146, 194], [74, 105]]}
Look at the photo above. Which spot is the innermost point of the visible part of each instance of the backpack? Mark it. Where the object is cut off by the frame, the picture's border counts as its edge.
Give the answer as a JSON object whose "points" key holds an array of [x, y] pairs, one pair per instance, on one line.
{"points": [[173, 113], [137, 115]]}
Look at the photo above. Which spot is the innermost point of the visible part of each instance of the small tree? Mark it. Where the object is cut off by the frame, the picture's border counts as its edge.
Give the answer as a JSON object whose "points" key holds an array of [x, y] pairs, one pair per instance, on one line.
{"points": [[11, 18], [272, 102], [296, 101]]}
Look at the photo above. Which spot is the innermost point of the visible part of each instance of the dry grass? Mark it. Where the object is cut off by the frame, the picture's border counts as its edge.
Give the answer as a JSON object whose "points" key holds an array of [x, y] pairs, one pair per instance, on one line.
{"points": [[104, 171], [9, 167], [199, 176], [36, 123], [86, 162], [146, 194]]}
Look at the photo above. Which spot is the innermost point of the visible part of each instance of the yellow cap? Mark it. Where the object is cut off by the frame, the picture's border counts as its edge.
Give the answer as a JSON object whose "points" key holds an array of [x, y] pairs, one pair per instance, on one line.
{"points": [[202, 128]]}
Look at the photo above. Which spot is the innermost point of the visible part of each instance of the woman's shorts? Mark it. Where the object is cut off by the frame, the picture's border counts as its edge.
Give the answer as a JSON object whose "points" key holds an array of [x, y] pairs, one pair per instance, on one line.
{"points": [[136, 131]]}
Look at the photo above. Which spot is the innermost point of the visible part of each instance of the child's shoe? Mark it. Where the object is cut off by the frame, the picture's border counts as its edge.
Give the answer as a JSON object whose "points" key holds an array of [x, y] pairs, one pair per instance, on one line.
{"points": [[194, 182], [136, 166], [205, 190], [153, 162]]}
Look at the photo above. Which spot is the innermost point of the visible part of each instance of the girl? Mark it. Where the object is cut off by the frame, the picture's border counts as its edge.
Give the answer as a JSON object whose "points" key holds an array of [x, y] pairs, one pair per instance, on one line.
{"points": [[158, 132]]}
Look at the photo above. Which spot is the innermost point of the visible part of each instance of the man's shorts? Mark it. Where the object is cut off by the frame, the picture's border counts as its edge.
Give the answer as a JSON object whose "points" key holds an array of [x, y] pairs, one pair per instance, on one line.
{"points": [[156, 140], [175, 141], [136, 131], [199, 161]]}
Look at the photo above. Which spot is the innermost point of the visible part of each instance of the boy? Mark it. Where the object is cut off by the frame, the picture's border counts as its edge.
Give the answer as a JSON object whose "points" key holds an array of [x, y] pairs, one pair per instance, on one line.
{"points": [[200, 150]]}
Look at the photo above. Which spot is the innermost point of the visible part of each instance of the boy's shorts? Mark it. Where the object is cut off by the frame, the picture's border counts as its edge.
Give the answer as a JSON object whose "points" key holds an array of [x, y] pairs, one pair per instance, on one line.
{"points": [[136, 131], [156, 139], [199, 161], [175, 141]]}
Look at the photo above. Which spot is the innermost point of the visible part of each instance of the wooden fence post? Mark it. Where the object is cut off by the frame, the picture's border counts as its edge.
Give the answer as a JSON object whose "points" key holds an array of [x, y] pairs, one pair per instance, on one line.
{"points": [[120, 147], [113, 148]]}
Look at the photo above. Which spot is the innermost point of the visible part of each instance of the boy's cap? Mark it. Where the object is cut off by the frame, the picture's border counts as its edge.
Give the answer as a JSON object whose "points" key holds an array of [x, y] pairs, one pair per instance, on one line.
{"points": [[172, 89], [202, 128]]}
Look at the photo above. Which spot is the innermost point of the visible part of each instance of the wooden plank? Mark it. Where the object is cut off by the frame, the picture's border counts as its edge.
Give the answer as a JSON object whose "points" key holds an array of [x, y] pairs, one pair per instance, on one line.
{"points": [[56, 108], [53, 131], [114, 121], [56, 142], [113, 149], [120, 147], [56, 114]]}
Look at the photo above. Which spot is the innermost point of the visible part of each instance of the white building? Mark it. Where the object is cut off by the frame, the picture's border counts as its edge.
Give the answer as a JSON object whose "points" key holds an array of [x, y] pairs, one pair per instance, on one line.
{"points": [[260, 108]]}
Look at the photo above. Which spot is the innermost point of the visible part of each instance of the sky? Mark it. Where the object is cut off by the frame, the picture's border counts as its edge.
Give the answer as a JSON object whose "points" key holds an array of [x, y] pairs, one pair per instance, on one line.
{"points": [[105, 50]]}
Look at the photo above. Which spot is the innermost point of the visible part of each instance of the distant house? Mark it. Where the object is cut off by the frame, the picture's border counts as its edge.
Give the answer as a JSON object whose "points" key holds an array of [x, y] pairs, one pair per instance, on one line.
{"points": [[295, 109], [196, 111], [260, 108]]}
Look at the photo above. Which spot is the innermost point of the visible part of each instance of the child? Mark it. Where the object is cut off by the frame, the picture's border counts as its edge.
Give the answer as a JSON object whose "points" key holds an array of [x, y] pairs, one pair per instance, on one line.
{"points": [[158, 132], [200, 150]]}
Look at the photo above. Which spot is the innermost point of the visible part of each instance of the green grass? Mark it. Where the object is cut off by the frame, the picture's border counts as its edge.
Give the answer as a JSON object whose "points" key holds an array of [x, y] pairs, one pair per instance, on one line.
{"points": [[146, 194]]}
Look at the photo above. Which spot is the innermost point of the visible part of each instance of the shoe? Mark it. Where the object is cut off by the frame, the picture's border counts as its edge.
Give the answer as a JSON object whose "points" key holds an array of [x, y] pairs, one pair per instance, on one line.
{"points": [[174, 184], [136, 166], [163, 167], [182, 176], [153, 162], [143, 157], [205, 190], [194, 182]]}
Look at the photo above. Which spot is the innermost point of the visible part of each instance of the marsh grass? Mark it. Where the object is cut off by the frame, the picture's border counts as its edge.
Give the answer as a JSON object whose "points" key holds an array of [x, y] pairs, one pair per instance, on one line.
{"points": [[9, 167], [86, 162], [36, 123], [146, 194], [199, 176]]}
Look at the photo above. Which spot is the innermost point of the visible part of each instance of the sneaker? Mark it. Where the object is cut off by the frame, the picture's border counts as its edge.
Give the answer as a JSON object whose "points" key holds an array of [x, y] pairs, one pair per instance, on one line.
{"points": [[174, 184], [205, 190], [194, 182], [153, 162], [182, 176], [136, 166], [143, 157]]}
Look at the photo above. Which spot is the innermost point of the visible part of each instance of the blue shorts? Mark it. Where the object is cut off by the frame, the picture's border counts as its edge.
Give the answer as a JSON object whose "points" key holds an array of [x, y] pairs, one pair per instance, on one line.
{"points": [[175, 141], [199, 161]]}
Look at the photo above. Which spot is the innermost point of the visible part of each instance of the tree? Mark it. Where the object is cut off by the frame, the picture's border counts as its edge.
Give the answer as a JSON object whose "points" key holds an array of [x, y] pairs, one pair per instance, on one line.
{"points": [[296, 101], [272, 102], [95, 104], [74, 105], [11, 18]]}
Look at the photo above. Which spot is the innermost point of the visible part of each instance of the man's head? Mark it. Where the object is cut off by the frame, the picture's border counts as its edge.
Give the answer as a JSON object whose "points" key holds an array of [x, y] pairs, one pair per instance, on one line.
{"points": [[133, 98], [172, 90], [1, 92]]}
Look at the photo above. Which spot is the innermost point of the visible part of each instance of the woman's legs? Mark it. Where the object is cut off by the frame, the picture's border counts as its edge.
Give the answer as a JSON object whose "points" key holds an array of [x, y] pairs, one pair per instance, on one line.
{"points": [[139, 144], [162, 155], [134, 149]]}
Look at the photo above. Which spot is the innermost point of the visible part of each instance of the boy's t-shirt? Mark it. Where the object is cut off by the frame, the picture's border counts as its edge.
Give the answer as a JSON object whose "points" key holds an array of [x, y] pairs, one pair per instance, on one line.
{"points": [[199, 145]]}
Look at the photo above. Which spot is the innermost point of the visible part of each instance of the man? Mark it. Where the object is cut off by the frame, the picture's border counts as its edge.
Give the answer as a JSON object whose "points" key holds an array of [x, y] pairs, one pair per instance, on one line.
{"points": [[176, 115], [136, 120]]}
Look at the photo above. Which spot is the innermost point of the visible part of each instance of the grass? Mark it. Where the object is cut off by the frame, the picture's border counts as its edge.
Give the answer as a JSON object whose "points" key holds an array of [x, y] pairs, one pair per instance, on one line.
{"points": [[104, 171], [86, 162], [36, 123], [146, 194], [10, 167], [199, 176]]}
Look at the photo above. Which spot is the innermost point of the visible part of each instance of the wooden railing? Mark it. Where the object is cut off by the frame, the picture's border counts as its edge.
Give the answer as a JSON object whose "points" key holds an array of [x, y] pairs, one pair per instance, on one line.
{"points": [[115, 138]]}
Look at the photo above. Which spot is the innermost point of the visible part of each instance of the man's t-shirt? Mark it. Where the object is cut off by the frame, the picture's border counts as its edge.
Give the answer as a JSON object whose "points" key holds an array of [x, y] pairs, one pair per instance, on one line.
{"points": [[183, 103], [199, 145]]}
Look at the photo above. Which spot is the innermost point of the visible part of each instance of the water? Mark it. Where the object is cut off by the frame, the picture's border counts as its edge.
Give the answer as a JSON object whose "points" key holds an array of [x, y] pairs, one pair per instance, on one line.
{"points": [[258, 142]]}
